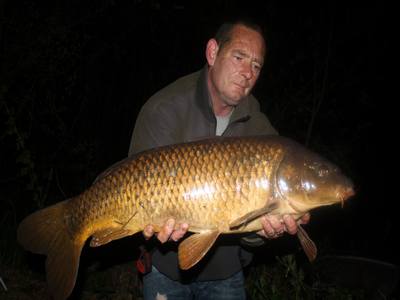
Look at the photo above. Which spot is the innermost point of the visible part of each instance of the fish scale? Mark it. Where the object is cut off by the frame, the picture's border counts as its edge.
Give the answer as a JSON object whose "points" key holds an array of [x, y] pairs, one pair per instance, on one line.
{"points": [[217, 186], [184, 178]]}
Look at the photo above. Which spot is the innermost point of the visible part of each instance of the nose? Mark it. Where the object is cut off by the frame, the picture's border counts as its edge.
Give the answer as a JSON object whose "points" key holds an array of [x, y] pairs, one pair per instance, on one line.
{"points": [[247, 71]]}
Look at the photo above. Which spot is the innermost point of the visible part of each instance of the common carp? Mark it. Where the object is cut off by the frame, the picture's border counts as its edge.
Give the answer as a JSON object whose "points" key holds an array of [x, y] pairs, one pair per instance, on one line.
{"points": [[217, 186]]}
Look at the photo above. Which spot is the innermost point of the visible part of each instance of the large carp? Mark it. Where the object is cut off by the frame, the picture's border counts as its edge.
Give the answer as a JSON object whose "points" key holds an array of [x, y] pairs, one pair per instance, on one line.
{"points": [[217, 186]]}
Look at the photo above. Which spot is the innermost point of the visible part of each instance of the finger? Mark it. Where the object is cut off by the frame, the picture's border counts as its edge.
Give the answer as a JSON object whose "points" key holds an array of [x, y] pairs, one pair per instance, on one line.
{"points": [[277, 226], [268, 231], [305, 219], [148, 232], [180, 232], [166, 231], [290, 224]]}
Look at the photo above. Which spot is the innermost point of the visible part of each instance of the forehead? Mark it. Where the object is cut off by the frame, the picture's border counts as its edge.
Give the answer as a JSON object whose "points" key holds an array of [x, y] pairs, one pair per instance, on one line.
{"points": [[248, 40]]}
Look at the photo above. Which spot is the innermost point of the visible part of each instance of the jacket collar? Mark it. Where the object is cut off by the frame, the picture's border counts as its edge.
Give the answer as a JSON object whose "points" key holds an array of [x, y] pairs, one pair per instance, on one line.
{"points": [[203, 101]]}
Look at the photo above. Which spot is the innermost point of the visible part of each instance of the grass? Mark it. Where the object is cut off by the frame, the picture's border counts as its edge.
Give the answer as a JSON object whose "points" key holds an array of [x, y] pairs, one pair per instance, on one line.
{"points": [[281, 279], [286, 279]]}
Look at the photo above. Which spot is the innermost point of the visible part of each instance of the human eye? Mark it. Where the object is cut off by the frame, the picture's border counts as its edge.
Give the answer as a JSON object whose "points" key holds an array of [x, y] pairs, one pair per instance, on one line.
{"points": [[257, 67]]}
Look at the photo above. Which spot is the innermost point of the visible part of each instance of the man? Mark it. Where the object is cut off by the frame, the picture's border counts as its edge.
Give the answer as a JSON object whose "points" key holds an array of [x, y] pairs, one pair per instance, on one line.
{"points": [[213, 101]]}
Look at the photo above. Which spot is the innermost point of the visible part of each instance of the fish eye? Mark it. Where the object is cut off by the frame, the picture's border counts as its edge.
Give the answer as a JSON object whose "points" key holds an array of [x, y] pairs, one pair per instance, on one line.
{"points": [[321, 170]]}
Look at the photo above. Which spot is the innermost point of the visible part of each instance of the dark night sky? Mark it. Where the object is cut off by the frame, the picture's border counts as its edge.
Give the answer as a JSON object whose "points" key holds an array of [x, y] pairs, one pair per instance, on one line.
{"points": [[75, 73]]}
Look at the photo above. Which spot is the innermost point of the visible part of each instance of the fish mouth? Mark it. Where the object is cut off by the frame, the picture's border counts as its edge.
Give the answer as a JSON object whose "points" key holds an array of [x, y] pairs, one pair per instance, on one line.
{"points": [[345, 193], [349, 192]]}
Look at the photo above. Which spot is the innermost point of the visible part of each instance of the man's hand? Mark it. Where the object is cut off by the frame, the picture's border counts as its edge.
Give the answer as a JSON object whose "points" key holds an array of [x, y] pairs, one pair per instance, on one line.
{"points": [[167, 232], [273, 227]]}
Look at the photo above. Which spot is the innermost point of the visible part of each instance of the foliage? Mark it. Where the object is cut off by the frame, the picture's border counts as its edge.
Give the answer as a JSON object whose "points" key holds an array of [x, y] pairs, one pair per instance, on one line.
{"points": [[279, 280], [285, 279], [120, 281]]}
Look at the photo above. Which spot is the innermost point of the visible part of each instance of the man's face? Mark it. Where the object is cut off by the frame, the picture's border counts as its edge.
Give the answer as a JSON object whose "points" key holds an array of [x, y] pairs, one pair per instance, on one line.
{"points": [[236, 67]]}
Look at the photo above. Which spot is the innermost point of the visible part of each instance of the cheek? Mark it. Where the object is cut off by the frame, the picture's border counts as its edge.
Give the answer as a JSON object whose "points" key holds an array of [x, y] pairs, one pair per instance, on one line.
{"points": [[220, 81], [222, 69], [254, 79], [228, 68], [252, 82], [225, 78]]}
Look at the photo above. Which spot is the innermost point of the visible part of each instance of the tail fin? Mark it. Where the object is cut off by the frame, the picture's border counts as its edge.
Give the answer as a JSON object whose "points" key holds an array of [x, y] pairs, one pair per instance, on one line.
{"points": [[46, 232]]}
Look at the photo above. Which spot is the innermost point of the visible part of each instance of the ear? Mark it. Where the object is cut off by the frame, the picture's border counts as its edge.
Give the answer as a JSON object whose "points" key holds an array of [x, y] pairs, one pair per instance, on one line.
{"points": [[211, 51]]}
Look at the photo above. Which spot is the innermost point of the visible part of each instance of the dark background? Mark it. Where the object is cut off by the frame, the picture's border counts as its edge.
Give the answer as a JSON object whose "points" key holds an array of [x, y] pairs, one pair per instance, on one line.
{"points": [[74, 74]]}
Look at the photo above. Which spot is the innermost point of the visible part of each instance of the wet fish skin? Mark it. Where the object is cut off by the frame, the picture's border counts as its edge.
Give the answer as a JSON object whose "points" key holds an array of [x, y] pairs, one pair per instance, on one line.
{"points": [[217, 186]]}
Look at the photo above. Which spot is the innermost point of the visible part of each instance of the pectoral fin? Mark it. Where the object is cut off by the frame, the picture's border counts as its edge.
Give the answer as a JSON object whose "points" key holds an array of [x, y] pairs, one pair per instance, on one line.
{"points": [[193, 249], [117, 230], [308, 245], [253, 215], [107, 235]]}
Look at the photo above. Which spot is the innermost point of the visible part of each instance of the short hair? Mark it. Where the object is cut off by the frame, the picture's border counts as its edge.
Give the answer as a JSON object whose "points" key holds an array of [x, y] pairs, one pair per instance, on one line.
{"points": [[224, 32]]}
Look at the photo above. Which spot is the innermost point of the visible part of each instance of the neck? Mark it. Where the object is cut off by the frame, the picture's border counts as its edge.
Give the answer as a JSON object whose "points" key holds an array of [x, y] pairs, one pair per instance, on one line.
{"points": [[221, 110]]}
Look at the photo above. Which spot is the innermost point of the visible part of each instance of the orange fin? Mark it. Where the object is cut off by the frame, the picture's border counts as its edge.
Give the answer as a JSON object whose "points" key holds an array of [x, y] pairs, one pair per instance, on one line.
{"points": [[107, 235], [308, 245], [193, 249], [46, 232], [252, 215]]}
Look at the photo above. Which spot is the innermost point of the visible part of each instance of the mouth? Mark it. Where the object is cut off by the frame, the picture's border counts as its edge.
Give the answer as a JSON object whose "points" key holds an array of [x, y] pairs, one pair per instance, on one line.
{"points": [[242, 86], [345, 194]]}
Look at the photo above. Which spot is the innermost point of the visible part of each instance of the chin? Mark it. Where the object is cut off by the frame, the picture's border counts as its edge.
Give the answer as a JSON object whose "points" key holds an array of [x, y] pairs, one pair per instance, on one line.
{"points": [[233, 101], [235, 98], [238, 98]]}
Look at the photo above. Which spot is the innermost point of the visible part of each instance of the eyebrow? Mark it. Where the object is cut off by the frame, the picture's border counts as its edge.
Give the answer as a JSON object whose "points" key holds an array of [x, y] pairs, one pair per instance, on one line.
{"points": [[244, 54]]}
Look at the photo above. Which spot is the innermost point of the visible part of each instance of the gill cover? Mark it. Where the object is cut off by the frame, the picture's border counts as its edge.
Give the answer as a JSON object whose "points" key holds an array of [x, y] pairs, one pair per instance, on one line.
{"points": [[307, 180]]}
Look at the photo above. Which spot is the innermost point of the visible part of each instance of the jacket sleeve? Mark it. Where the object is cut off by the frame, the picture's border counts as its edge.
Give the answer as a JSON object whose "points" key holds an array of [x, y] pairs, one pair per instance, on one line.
{"points": [[155, 126]]}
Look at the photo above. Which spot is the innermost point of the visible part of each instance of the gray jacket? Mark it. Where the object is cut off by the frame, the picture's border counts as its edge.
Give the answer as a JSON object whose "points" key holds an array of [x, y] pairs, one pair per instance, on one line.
{"points": [[182, 112]]}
